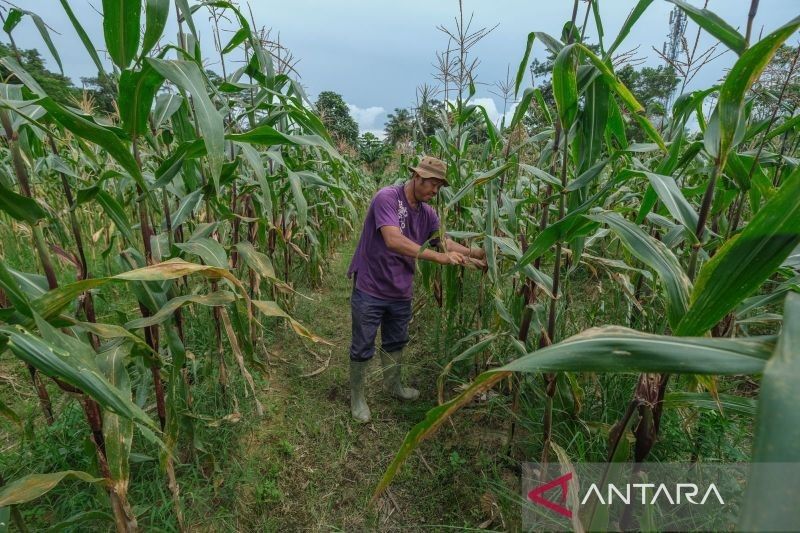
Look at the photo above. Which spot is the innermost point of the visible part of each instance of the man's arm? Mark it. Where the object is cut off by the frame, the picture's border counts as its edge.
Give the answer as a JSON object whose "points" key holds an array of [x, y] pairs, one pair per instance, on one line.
{"points": [[453, 246], [400, 244]]}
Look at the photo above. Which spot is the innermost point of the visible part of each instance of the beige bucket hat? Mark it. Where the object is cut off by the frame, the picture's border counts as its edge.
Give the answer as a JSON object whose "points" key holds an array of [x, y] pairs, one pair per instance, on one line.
{"points": [[430, 167]]}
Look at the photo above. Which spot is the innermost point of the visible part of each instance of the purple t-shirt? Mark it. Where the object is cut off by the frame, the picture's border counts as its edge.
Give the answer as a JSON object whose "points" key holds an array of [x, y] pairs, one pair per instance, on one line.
{"points": [[380, 272]]}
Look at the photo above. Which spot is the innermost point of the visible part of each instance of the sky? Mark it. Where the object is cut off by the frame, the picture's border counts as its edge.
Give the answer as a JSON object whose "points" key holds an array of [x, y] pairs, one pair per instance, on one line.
{"points": [[375, 53]]}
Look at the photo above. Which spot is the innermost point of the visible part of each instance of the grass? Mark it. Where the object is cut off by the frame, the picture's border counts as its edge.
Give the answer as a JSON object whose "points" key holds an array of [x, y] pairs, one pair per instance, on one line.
{"points": [[318, 467], [307, 465]]}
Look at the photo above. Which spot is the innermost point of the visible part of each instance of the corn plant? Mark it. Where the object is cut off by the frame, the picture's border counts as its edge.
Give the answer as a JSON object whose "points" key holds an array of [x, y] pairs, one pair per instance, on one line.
{"points": [[697, 232], [196, 194]]}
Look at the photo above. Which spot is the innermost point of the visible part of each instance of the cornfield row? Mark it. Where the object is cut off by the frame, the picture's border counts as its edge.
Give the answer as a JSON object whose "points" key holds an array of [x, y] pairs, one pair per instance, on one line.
{"points": [[697, 235], [198, 195]]}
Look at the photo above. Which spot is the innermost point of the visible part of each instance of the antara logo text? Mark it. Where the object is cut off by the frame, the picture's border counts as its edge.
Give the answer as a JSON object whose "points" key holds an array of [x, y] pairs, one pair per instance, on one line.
{"points": [[641, 493]]}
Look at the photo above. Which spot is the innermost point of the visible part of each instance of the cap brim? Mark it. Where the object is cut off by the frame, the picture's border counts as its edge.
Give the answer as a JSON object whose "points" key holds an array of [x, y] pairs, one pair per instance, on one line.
{"points": [[425, 174]]}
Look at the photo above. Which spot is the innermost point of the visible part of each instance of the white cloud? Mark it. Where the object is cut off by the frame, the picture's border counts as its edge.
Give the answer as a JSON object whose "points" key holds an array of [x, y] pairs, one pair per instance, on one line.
{"points": [[367, 118], [495, 115]]}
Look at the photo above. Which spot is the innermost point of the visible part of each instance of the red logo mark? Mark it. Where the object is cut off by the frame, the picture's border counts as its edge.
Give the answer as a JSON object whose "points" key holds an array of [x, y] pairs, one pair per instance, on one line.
{"points": [[535, 495]]}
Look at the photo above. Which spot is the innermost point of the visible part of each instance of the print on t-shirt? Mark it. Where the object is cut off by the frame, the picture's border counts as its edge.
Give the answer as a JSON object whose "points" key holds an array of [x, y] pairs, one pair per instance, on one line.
{"points": [[402, 214]]}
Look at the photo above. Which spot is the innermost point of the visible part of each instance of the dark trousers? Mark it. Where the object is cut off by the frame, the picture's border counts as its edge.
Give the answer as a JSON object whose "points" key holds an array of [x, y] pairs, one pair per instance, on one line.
{"points": [[369, 313]]}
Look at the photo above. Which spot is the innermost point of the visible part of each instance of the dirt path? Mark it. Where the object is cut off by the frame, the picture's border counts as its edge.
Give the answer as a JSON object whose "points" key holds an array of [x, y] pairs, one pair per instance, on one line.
{"points": [[308, 466]]}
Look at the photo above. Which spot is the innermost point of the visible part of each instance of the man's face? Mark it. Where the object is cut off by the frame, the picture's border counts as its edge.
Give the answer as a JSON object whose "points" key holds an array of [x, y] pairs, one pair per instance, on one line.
{"points": [[427, 188]]}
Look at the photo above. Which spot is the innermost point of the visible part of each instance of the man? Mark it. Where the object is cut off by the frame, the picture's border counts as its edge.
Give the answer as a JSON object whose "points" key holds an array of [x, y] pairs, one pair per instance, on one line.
{"points": [[398, 223]]}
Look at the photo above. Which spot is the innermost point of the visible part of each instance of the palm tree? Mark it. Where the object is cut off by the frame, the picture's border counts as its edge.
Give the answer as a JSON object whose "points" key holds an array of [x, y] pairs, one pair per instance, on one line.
{"points": [[372, 151], [400, 126]]}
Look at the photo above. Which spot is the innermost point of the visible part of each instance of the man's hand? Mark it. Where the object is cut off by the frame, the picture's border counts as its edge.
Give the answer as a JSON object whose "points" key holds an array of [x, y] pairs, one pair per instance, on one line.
{"points": [[477, 253], [477, 263], [452, 258]]}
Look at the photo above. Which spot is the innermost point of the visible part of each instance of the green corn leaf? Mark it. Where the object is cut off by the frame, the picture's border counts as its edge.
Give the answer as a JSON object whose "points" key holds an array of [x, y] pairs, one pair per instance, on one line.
{"points": [[270, 308], [214, 299], [12, 19], [521, 109], [787, 125], [170, 167], [56, 362], [256, 260], [618, 349], [301, 205], [210, 251], [573, 225], [186, 207], [97, 134], [655, 255], [553, 45], [84, 37], [11, 288], [473, 350], [20, 207], [156, 13], [627, 97], [489, 225], [166, 106], [238, 38], [688, 103], [565, 86], [268, 136], [136, 92], [671, 196], [50, 304], [121, 27], [588, 176], [593, 123], [491, 129], [185, 13], [714, 25], [770, 502], [510, 248], [542, 175], [11, 64], [33, 486], [54, 301], [433, 420], [744, 262], [745, 71], [523, 65], [15, 16], [116, 213], [477, 181], [537, 92], [117, 430], [598, 22], [633, 16], [607, 349], [112, 331], [616, 125], [187, 76], [704, 400]]}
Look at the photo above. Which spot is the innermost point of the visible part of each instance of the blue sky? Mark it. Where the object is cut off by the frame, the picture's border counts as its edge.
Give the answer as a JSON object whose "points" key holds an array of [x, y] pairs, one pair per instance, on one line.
{"points": [[376, 53]]}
